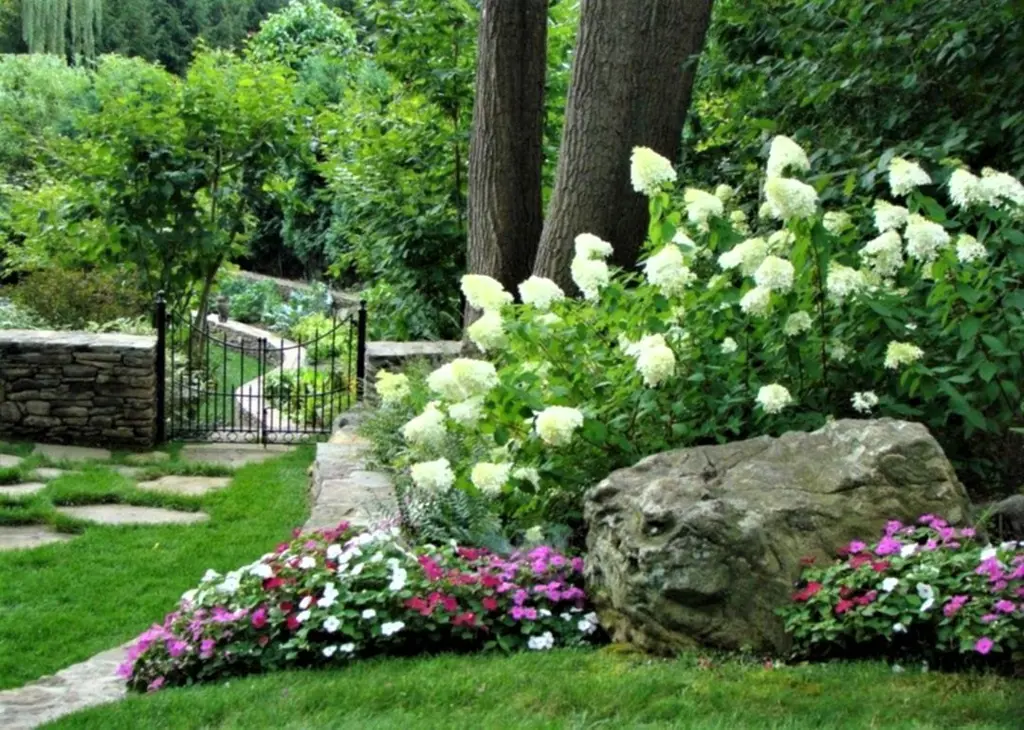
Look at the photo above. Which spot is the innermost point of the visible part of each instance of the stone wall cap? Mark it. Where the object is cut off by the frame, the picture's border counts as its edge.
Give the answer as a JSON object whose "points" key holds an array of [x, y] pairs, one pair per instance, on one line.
{"points": [[384, 348], [48, 338]]}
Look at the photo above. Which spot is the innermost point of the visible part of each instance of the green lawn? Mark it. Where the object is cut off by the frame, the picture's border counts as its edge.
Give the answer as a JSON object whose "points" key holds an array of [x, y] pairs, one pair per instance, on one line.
{"points": [[63, 603], [228, 368], [576, 689]]}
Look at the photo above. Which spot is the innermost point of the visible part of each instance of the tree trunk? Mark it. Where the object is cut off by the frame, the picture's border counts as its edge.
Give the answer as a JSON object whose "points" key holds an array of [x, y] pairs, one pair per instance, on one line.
{"points": [[632, 79], [506, 150]]}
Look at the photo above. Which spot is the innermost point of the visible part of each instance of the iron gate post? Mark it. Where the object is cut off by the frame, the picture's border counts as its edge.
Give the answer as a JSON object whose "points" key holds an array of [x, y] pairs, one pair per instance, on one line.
{"points": [[361, 351], [160, 322]]}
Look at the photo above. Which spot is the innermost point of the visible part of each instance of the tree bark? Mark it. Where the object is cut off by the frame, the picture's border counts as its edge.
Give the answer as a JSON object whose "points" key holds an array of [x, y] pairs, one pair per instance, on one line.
{"points": [[506, 148], [632, 81]]}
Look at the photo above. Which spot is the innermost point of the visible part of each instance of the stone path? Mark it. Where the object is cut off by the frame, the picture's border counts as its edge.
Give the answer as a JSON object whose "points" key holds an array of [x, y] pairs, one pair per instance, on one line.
{"points": [[149, 457], [23, 537], [232, 455], [129, 514], [76, 454], [189, 486], [21, 490], [7, 461], [47, 474]]}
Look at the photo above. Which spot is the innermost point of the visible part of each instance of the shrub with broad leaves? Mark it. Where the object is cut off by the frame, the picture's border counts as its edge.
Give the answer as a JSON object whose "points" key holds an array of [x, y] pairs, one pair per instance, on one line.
{"points": [[331, 596]]}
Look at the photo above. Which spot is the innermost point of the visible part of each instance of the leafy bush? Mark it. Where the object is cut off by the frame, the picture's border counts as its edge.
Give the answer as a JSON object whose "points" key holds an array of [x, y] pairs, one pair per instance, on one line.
{"points": [[301, 304], [324, 339], [13, 317], [250, 301], [314, 396], [926, 591], [71, 299], [332, 596], [124, 326]]}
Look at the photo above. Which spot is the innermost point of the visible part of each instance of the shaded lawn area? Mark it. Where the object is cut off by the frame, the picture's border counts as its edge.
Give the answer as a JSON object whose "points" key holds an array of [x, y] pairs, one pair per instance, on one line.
{"points": [[63, 603], [576, 689]]}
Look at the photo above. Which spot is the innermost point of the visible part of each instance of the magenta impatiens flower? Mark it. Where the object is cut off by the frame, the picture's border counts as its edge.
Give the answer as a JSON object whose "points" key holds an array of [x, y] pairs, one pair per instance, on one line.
{"points": [[1005, 606], [984, 645], [857, 547], [954, 605], [888, 546], [989, 618]]}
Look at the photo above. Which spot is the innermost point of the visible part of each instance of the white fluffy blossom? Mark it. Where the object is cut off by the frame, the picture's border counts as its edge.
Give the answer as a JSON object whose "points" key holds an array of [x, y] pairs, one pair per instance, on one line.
{"points": [[483, 292], [462, 379], [739, 222], [964, 188], [725, 193], [655, 360], [590, 275], [969, 249], [765, 211], [775, 274], [842, 281], [797, 323], [490, 478], [905, 175], [649, 171], [901, 353], [541, 643], [729, 346], [488, 332], [540, 292], [667, 271], [555, 425], [785, 154], [790, 198], [433, 476], [884, 254], [924, 239], [864, 402], [781, 241], [588, 246], [393, 388], [837, 222], [998, 188], [701, 205], [746, 256], [838, 351], [889, 217], [388, 628], [467, 413], [774, 398], [527, 474], [426, 429], [756, 302]]}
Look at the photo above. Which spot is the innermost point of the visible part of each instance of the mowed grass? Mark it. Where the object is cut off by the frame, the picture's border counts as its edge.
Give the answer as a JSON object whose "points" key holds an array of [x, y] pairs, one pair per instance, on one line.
{"points": [[63, 603], [576, 689]]}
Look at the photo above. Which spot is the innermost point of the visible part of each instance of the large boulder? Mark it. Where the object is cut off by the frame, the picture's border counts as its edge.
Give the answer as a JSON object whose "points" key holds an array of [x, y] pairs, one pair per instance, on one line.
{"points": [[700, 546]]}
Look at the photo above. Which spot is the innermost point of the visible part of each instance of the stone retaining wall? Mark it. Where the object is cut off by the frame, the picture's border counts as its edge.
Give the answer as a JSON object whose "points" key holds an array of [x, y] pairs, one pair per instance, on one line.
{"points": [[78, 388], [385, 355]]}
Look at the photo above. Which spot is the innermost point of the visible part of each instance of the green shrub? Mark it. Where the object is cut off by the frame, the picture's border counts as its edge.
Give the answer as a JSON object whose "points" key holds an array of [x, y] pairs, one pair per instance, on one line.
{"points": [[14, 317], [325, 339], [71, 299], [315, 397], [301, 304], [249, 301]]}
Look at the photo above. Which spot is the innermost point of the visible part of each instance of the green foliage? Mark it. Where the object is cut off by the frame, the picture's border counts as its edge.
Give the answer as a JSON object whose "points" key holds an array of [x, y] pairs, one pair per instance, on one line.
{"points": [[49, 25], [14, 317], [310, 395], [72, 299], [301, 30], [301, 304], [249, 301], [324, 339]]}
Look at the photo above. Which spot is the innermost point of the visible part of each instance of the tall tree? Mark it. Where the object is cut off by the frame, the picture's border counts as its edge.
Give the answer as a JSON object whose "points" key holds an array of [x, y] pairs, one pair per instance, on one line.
{"points": [[48, 25], [632, 79], [506, 148]]}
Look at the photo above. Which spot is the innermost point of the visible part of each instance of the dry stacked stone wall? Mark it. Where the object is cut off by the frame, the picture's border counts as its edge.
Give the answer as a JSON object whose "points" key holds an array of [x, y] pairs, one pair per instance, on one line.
{"points": [[78, 388]]}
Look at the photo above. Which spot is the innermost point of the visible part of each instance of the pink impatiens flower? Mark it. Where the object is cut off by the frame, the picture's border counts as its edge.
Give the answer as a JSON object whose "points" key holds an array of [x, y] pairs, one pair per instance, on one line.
{"points": [[989, 618], [954, 605], [888, 546], [857, 547], [1005, 606], [983, 645]]}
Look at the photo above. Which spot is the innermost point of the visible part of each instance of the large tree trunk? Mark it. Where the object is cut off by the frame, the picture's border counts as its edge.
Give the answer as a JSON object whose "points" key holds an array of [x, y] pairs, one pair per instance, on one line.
{"points": [[632, 80], [506, 150]]}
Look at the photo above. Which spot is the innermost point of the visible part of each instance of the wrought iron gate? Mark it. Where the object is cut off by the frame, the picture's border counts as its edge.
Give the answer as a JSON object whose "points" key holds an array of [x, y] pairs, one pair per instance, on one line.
{"points": [[237, 384]]}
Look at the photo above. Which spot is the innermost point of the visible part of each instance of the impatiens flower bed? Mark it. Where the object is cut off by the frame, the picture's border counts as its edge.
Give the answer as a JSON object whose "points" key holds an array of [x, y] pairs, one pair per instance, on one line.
{"points": [[927, 590], [332, 596]]}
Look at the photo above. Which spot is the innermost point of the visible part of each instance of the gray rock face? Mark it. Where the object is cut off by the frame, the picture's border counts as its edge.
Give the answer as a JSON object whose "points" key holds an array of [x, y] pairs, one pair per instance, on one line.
{"points": [[700, 546]]}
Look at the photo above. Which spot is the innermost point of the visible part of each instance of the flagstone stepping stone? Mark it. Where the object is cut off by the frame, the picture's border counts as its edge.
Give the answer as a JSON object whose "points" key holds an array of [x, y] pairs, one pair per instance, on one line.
{"points": [[47, 473], [21, 490], [150, 457], [233, 455], [127, 514], [23, 537], [7, 461], [130, 472], [58, 452], [188, 486]]}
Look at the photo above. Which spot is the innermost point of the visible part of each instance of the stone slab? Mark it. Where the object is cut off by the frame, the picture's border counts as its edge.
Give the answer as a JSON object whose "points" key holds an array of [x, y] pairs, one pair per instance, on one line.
{"points": [[26, 489], [126, 514], [344, 489], [47, 473], [7, 461], [77, 454], [131, 472], [188, 486], [233, 455], [149, 457], [24, 537]]}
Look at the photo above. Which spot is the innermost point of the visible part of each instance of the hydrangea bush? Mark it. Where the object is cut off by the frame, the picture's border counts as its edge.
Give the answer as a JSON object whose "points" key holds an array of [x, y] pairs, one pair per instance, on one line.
{"points": [[332, 596], [738, 323], [928, 591]]}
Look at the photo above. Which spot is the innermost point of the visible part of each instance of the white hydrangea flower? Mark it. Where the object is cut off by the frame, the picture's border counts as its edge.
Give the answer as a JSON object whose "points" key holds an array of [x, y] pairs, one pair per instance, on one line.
{"points": [[649, 171], [433, 476], [483, 292], [774, 398], [527, 474], [901, 353], [591, 276], [790, 199], [784, 154], [490, 478], [764, 212], [556, 424], [884, 254], [667, 271], [540, 292], [393, 388], [541, 643], [889, 217], [905, 175], [969, 249], [842, 281], [488, 332], [462, 379], [467, 413], [681, 239], [838, 351], [739, 222], [725, 193], [655, 360], [746, 256], [864, 402], [756, 302], [797, 323], [837, 222], [701, 205], [589, 246], [729, 346], [997, 188], [775, 274], [426, 429], [781, 241], [964, 188], [924, 239]]}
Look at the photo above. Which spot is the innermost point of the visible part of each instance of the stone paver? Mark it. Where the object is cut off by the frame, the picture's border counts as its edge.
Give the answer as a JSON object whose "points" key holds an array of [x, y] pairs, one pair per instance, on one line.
{"points": [[23, 537], [233, 455], [127, 514], [131, 472], [7, 461], [47, 473], [189, 486], [57, 452], [21, 490], [149, 457], [344, 489]]}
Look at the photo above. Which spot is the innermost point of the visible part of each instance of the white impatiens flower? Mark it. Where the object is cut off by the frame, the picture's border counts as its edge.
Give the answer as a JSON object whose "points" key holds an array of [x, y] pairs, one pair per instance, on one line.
{"points": [[790, 199], [899, 628], [774, 398], [541, 643], [483, 292], [329, 651], [540, 292], [555, 425], [729, 346], [488, 332], [864, 402], [467, 413], [390, 628], [433, 476], [884, 254], [490, 478], [368, 614], [908, 551], [927, 594], [426, 429], [649, 171], [964, 188], [590, 275], [262, 570], [739, 222], [797, 323], [588, 624], [837, 222], [924, 239], [725, 193], [347, 648], [756, 302], [842, 281], [330, 596], [901, 353], [701, 205], [999, 188], [308, 562], [969, 249], [393, 388], [462, 379], [889, 217], [905, 175], [303, 616], [589, 246], [655, 360], [667, 271], [332, 624], [890, 584], [527, 474], [746, 256], [775, 274], [785, 154], [781, 241], [399, 577]]}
